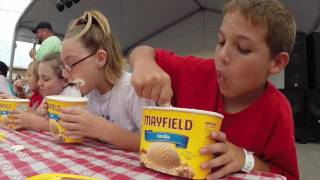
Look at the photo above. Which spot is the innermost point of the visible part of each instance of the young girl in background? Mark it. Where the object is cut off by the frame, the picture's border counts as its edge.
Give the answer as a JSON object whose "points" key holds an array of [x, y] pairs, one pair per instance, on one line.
{"points": [[21, 86], [91, 53], [51, 82]]}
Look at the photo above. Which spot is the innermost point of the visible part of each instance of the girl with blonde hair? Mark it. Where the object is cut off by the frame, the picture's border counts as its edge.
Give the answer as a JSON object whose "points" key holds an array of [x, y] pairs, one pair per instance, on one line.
{"points": [[92, 55], [49, 82]]}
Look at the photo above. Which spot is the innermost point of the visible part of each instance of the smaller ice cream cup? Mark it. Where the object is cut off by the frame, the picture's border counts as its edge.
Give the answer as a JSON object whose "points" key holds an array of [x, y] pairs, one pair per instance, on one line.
{"points": [[55, 104], [7, 106], [171, 139]]}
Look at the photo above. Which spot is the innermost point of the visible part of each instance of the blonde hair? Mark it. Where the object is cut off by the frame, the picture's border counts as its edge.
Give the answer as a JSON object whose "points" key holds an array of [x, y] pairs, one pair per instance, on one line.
{"points": [[33, 68], [93, 29], [54, 62], [270, 14]]}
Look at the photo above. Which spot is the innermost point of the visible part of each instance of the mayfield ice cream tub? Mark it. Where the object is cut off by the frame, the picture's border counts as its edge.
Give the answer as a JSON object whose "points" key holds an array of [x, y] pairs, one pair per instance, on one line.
{"points": [[7, 106], [55, 104], [171, 139]]}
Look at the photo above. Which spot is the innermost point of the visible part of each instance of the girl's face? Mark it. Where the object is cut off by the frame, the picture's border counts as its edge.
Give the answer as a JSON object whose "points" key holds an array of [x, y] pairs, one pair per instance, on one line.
{"points": [[32, 80], [49, 82], [82, 64]]}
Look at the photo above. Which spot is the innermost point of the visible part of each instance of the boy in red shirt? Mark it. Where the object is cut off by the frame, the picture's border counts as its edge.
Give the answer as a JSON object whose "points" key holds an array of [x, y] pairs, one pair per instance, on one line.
{"points": [[255, 39]]}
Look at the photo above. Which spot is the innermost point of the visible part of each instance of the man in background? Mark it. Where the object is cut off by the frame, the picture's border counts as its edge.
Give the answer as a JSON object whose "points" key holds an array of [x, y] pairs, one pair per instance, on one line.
{"points": [[48, 41]]}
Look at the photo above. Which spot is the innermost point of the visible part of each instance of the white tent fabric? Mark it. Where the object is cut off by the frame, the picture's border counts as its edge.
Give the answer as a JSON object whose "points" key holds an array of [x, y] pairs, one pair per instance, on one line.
{"points": [[186, 26]]}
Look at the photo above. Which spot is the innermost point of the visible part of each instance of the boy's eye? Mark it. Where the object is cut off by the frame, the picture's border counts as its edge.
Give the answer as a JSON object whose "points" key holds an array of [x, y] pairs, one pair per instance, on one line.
{"points": [[221, 43], [243, 50]]}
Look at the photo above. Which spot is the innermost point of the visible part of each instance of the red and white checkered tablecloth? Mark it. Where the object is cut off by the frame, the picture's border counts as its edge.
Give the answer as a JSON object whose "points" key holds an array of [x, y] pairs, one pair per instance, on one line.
{"points": [[42, 155]]}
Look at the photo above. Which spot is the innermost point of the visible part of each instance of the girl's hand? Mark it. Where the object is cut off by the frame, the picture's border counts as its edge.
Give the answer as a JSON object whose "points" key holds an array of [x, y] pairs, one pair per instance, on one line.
{"points": [[18, 85], [42, 110], [80, 122], [27, 120], [5, 96], [227, 156]]}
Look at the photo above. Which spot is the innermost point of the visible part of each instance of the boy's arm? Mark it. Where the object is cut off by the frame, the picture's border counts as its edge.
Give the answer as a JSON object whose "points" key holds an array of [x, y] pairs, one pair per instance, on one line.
{"points": [[148, 79]]}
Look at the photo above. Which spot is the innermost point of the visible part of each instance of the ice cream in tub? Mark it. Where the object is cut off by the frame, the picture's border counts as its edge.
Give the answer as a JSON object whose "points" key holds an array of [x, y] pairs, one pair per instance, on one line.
{"points": [[55, 104], [7, 106], [171, 139]]}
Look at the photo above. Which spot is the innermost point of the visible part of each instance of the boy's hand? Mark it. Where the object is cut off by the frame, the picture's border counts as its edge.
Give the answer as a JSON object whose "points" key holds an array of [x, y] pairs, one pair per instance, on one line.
{"points": [[148, 79], [80, 122], [227, 156], [152, 83]]}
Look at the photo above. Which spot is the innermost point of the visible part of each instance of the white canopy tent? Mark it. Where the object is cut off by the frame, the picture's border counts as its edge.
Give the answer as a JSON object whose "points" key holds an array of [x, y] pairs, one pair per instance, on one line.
{"points": [[186, 26]]}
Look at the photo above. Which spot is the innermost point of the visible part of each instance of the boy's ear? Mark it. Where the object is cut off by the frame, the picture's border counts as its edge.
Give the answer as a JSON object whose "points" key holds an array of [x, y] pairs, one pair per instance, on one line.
{"points": [[279, 62], [102, 57]]}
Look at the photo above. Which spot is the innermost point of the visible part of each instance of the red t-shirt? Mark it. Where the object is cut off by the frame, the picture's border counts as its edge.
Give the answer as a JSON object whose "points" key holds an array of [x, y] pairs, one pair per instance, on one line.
{"points": [[35, 100], [265, 127]]}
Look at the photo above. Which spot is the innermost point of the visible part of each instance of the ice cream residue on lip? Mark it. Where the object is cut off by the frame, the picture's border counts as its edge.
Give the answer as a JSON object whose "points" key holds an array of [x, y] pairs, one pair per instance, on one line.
{"points": [[220, 76], [78, 82]]}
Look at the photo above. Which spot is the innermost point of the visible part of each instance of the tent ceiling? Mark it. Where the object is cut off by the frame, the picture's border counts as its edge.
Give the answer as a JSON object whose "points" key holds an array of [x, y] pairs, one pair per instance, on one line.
{"points": [[158, 22]]}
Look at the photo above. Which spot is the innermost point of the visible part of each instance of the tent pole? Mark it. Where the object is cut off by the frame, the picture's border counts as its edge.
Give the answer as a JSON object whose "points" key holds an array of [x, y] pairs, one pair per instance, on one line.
{"points": [[198, 3], [315, 23], [13, 43], [13, 49], [218, 11]]}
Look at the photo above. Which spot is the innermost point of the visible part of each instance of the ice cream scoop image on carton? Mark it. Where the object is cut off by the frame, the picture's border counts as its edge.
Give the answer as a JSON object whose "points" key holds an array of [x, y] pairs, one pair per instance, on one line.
{"points": [[7, 106], [171, 139], [55, 104]]}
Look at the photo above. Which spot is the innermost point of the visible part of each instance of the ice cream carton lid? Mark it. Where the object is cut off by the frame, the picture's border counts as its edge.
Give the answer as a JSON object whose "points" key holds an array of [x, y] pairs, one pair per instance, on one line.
{"points": [[60, 176], [184, 110], [67, 98], [16, 100]]}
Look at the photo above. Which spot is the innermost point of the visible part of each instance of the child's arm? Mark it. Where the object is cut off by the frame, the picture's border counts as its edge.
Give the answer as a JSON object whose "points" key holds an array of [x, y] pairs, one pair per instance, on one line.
{"points": [[18, 87], [29, 120], [80, 122], [5, 96], [119, 137], [148, 79], [229, 158]]}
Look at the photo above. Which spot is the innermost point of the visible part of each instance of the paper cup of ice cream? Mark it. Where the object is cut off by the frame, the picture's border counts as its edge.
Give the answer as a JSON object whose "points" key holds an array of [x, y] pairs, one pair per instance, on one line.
{"points": [[171, 139], [7, 106], [55, 104]]}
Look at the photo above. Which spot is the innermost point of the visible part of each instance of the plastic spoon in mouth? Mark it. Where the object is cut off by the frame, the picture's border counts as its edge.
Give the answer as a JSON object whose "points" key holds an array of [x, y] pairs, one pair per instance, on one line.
{"points": [[168, 104]]}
